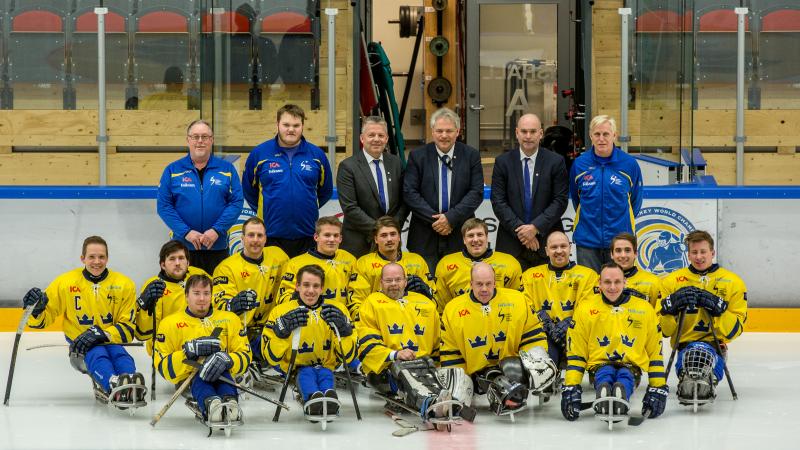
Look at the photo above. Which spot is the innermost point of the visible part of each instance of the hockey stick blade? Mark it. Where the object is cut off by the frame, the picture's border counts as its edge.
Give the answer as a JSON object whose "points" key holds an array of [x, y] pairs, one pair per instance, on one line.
{"points": [[124, 344], [635, 421]]}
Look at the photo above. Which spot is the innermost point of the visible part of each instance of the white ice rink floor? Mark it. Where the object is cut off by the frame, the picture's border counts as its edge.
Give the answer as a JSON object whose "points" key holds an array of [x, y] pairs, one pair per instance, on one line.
{"points": [[52, 407]]}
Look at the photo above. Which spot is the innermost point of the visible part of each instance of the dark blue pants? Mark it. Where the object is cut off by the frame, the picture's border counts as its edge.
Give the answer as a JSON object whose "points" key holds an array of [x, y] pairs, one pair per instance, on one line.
{"points": [[311, 379], [104, 361], [201, 390], [610, 374]]}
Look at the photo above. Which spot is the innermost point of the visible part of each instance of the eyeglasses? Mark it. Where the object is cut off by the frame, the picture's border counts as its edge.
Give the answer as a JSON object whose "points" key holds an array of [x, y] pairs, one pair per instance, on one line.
{"points": [[200, 137]]}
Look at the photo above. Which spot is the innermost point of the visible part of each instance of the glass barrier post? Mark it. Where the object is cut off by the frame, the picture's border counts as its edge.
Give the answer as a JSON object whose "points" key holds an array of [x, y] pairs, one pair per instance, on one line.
{"points": [[102, 136], [623, 137], [330, 139], [740, 138]]}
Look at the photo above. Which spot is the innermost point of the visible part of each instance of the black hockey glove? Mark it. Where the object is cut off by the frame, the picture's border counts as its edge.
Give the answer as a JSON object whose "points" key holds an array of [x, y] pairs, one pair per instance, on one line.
{"points": [[678, 301], [36, 298], [150, 295], [336, 318], [711, 303], [571, 401], [215, 365], [88, 339], [285, 324], [655, 399], [243, 301], [560, 330], [202, 346], [416, 284], [547, 322]]}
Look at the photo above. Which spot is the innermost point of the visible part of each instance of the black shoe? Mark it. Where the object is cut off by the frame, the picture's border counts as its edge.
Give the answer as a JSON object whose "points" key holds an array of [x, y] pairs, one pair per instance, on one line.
{"points": [[603, 391], [333, 408], [315, 409], [618, 391], [138, 378]]}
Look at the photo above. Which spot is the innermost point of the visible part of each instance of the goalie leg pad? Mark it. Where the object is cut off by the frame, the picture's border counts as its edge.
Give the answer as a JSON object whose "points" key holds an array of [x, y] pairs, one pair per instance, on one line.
{"points": [[418, 382], [460, 385], [542, 371]]}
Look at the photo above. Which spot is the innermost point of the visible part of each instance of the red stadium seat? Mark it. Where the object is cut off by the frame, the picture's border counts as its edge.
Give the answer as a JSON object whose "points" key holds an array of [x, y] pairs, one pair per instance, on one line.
{"points": [[163, 22], [229, 22], [87, 23], [286, 22], [784, 20], [721, 20], [38, 21]]}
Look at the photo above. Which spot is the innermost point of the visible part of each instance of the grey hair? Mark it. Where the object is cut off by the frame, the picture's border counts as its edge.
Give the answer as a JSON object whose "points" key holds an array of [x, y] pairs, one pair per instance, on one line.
{"points": [[373, 120], [445, 113], [198, 122]]}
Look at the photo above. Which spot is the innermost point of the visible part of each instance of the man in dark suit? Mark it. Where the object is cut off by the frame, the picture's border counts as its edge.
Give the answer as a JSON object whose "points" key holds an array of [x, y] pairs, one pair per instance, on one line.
{"points": [[530, 190], [370, 185], [443, 187]]}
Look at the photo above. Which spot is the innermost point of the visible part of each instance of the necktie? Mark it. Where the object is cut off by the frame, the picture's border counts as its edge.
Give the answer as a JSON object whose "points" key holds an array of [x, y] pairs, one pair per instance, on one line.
{"points": [[526, 175], [445, 200], [381, 190]]}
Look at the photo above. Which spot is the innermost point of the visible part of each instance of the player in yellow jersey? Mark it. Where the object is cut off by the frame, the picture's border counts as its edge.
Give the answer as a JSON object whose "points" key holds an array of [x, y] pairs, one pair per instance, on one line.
{"points": [[339, 265], [97, 306], [616, 337], [399, 344], [643, 283], [386, 249], [247, 283], [164, 294], [187, 335], [492, 334], [553, 291], [317, 320], [713, 301], [453, 270]]}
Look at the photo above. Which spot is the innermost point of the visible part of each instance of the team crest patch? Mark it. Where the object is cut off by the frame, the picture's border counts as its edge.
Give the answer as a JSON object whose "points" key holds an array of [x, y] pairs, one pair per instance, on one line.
{"points": [[660, 232]]}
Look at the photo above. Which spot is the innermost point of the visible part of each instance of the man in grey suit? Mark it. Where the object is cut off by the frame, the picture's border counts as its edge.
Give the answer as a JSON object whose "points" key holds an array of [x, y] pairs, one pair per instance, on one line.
{"points": [[370, 185], [443, 187], [530, 188]]}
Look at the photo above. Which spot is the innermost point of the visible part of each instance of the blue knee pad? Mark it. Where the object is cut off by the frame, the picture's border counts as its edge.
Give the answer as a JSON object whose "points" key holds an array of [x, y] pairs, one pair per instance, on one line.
{"points": [[104, 361], [611, 374]]}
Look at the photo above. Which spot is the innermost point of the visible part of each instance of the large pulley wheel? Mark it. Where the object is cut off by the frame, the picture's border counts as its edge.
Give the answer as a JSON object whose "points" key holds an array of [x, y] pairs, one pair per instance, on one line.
{"points": [[439, 90], [409, 19]]}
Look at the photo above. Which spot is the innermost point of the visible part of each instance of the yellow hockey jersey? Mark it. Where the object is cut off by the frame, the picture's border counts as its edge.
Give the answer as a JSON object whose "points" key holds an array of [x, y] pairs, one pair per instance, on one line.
{"points": [[368, 276], [453, 273], [110, 304], [644, 283], [237, 273], [318, 342], [181, 327], [173, 300], [475, 336], [339, 271], [625, 334], [388, 325], [558, 291], [722, 283]]}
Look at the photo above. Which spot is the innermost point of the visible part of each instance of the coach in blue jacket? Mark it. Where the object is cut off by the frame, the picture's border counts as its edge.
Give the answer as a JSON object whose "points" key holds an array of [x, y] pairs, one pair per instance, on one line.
{"points": [[606, 190], [287, 179], [200, 198]]}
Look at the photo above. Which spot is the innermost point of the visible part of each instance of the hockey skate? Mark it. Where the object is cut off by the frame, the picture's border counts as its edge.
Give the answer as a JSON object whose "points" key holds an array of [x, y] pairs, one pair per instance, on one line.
{"points": [[128, 392], [222, 414], [322, 408], [611, 405]]}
